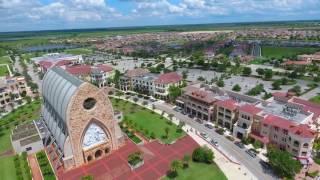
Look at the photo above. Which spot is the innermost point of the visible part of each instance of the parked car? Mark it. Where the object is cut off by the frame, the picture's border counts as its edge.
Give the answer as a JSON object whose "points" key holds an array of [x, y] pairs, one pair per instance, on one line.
{"points": [[190, 116], [204, 135], [239, 144], [251, 153], [265, 165], [199, 120], [213, 142], [184, 113], [208, 125]]}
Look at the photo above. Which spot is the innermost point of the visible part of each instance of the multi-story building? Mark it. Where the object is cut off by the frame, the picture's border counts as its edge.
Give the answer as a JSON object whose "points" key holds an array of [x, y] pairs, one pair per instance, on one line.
{"points": [[12, 89], [97, 75], [163, 82], [247, 118], [139, 80], [126, 80], [226, 113], [198, 102]]}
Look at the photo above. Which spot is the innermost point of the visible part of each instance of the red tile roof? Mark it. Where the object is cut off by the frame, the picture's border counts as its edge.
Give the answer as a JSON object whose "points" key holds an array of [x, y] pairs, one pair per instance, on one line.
{"points": [[63, 63], [296, 63], [278, 122], [79, 70], [45, 64], [250, 109], [279, 94], [308, 106], [167, 78], [104, 68], [303, 130], [202, 95], [136, 72], [229, 104]]}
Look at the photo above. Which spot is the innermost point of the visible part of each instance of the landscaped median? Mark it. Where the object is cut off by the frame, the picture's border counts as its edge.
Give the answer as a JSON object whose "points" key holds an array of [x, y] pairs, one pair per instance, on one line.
{"points": [[45, 166], [138, 119]]}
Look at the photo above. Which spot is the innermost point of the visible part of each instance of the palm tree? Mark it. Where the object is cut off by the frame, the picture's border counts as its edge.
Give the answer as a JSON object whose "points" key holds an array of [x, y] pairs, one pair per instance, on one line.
{"points": [[166, 129], [186, 160], [174, 167]]}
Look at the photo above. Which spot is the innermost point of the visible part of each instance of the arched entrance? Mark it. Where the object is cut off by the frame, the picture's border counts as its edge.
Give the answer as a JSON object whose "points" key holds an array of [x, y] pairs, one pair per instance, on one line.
{"points": [[89, 158], [107, 150], [98, 154]]}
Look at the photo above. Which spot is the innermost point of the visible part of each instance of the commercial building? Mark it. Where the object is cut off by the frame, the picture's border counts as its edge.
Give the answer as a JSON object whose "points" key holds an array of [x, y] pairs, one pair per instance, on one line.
{"points": [[79, 118], [287, 122], [126, 81], [47, 61]]}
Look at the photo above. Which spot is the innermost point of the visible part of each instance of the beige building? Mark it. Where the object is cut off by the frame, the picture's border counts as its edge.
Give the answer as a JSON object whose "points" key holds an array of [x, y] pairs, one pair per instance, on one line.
{"points": [[226, 114], [80, 119]]}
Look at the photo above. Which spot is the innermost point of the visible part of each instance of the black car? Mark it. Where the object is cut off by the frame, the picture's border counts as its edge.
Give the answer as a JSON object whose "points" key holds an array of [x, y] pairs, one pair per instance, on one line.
{"points": [[265, 165], [239, 144], [251, 153], [209, 126]]}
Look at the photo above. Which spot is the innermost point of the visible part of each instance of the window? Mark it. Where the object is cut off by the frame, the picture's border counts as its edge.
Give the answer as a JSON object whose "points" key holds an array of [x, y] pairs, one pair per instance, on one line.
{"points": [[305, 145], [28, 148], [89, 103], [304, 153]]}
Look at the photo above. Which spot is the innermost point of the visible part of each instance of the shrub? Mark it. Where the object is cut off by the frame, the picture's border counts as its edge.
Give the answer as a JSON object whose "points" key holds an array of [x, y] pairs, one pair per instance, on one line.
{"points": [[220, 131], [203, 154]]}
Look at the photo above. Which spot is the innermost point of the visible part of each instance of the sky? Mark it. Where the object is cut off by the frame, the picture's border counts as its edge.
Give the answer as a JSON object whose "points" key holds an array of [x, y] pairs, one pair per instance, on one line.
{"points": [[25, 15]]}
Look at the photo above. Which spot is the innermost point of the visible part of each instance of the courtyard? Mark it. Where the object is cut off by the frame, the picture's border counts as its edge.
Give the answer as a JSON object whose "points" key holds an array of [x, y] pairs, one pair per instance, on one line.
{"points": [[147, 122]]}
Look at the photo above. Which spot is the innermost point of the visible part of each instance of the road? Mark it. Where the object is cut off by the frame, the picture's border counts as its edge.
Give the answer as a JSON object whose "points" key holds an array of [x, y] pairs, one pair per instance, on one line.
{"points": [[252, 164]]}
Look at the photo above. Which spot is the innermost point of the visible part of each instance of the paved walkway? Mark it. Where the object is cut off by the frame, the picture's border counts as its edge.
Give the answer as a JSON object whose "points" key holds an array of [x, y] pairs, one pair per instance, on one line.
{"points": [[36, 172], [157, 158]]}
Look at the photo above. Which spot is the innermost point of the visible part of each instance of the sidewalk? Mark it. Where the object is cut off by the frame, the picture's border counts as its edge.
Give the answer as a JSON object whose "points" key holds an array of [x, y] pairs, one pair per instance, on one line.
{"points": [[35, 169]]}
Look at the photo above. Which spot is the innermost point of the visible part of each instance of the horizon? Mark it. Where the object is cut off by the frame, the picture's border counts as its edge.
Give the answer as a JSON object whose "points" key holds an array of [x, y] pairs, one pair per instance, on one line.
{"points": [[221, 24], [42, 15]]}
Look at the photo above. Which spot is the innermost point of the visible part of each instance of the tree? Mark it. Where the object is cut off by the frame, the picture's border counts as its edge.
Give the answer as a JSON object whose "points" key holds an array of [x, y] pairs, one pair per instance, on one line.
{"points": [[174, 92], [246, 71], [268, 74], [203, 154], [283, 163], [260, 71], [116, 78], [186, 160], [296, 89], [236, 88], [276, 85], [166, 130], [220, 83], [174, 167], [119, 93]]}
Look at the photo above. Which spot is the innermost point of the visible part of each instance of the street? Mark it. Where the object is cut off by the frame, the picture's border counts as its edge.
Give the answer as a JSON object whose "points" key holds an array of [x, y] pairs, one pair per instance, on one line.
{"points": [[228, 147]]}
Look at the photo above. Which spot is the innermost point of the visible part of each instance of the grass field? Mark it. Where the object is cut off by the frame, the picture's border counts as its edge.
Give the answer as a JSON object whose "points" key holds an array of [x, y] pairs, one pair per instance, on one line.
{"points": [[4, 70], [200, 171], [22, 114], [315, 99], [280, 52], [146, 120], [8, 170], [78, 51], [5, 60]]}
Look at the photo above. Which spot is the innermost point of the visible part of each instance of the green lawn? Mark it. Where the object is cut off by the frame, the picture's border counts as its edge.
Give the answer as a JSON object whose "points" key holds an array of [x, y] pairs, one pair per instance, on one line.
{"points": [[22, 114], [4, 70], [78, 51], [315, 99], [200, 171], [5, 60], [144, 120], [280, 52], [8, 170]]}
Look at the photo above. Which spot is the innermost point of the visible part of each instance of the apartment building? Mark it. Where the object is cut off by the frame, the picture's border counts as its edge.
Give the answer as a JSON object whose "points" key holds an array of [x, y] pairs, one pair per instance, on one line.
{"points": [[12, 89], [97, 75], [126, 81], [140, 80]]}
